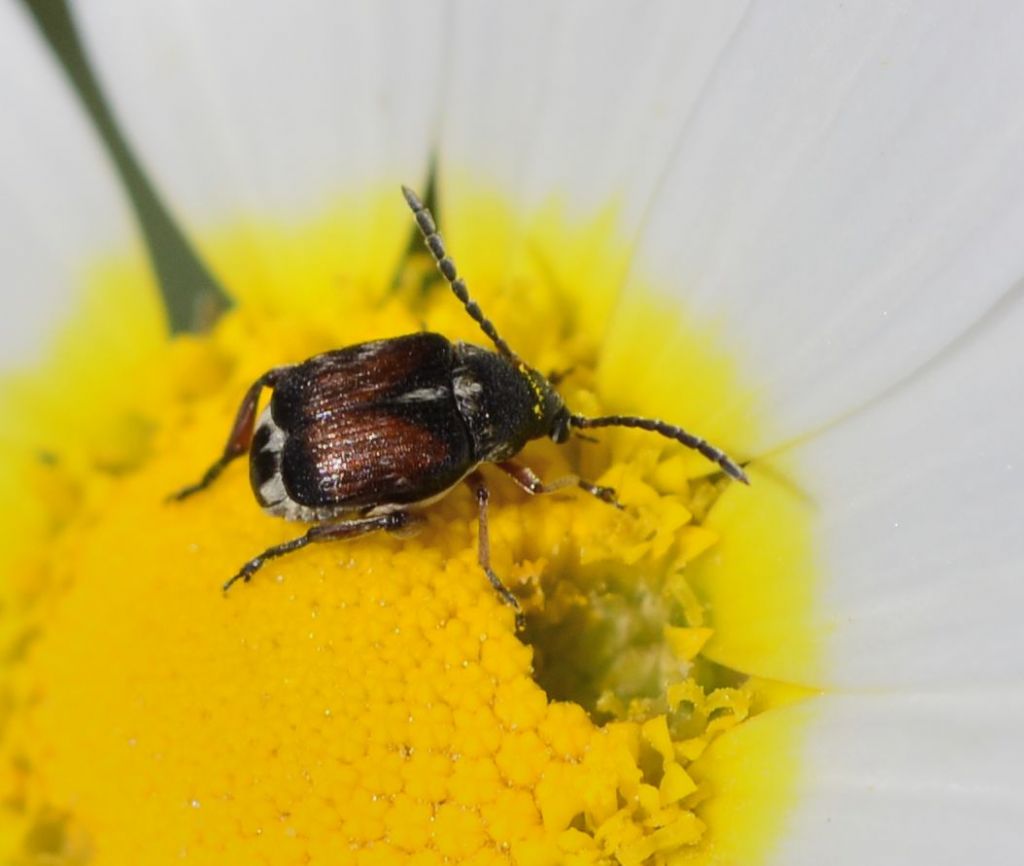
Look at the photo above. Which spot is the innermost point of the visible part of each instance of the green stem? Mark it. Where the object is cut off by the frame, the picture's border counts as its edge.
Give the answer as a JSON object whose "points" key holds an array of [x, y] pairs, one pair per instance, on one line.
{"points": [[192, 295]]}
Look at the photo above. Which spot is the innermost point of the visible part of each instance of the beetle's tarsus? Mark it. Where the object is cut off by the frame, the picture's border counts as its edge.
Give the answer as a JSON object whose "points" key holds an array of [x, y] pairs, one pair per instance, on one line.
{"points": [[503, 591], [245, 573], [505, 594], [208, 478], [605, 494]]}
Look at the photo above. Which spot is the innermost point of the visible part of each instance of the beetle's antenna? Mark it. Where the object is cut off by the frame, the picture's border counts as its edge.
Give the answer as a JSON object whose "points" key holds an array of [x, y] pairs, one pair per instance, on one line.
{"points": [[670, 431], [447, 268]]}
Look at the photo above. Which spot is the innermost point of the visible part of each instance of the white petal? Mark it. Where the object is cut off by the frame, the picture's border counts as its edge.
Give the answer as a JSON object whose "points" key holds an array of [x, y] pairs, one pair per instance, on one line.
{"points": [[847, 197], [578, 100], [907, 779], [836, 190], [914, 505], [60, 207], [272, 112], [920, 498], [577, 103]]}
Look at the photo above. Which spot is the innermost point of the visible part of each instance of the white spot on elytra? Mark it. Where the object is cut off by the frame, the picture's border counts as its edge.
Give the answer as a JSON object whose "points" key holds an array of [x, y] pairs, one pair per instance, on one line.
{"points": [[423, 395]]}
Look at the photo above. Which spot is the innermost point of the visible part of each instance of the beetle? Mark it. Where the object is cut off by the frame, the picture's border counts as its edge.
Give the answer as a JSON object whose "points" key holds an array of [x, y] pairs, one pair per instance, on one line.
{"points": [[356, 440]]}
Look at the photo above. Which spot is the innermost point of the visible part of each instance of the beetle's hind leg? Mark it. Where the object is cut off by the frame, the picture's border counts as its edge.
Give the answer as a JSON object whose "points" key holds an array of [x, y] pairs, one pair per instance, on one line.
{"points": [[241, 433], [394, 521], [527, 479], [476, 481]]}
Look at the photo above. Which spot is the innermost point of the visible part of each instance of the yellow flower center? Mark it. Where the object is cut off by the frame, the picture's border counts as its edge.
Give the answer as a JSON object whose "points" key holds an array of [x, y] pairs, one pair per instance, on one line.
{"points": [[370, 701]]}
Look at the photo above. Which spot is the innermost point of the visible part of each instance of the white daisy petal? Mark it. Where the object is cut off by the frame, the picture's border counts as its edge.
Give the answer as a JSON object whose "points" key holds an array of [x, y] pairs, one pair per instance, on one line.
{"points": [[558, 99], [806, 181], [61, 202], [575, 103], [914, 504], [893, 780], [847, 197], [921, 499], [274, 112]]}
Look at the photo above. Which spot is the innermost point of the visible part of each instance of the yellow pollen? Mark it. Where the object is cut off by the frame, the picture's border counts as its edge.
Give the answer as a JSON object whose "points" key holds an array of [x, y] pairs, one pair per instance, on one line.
{"points": [[370, 702]]}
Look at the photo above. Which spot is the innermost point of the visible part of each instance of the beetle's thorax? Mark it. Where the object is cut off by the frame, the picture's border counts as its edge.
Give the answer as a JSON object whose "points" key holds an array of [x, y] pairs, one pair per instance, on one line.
{"points": [[504, 403]]}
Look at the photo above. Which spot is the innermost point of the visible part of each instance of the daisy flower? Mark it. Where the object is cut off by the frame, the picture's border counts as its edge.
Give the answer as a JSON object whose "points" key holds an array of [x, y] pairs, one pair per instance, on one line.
{"points": [[794, 229]]}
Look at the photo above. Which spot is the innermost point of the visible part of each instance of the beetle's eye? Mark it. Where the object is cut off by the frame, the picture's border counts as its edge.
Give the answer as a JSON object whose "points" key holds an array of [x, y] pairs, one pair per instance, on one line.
{"points": [[560, 429]]}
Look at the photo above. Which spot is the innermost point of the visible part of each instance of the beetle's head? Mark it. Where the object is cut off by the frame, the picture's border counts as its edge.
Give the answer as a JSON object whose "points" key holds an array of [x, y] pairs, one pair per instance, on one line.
{"points": [[554, 416]]}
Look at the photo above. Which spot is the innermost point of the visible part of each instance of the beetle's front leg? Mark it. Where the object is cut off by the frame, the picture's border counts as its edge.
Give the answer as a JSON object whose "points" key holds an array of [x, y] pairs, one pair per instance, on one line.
{"points": [[394, 521], [527, 479], [241, 433], [476, 481]]}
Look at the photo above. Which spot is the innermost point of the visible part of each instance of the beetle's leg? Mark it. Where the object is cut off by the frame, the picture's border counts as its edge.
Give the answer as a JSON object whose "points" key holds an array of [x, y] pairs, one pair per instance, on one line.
{"points": [[241, 433], [395, 521], [476, 481], [526, 478]]}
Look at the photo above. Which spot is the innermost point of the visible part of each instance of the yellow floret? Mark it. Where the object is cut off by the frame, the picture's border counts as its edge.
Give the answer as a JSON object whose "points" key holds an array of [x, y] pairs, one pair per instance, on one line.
{"points": [[368, 702]]}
